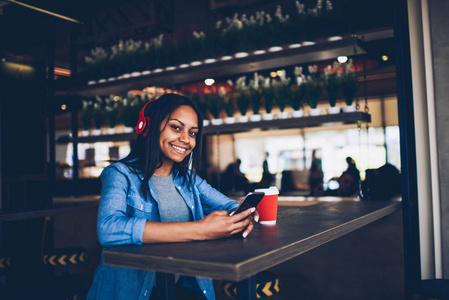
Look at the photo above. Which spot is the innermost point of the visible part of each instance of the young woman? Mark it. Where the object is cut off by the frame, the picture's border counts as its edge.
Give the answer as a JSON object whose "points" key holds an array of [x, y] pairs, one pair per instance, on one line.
{"points": [[153, 195]]}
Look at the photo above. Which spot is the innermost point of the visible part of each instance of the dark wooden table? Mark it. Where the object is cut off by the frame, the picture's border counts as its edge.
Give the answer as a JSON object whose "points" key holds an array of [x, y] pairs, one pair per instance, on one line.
{"points": [[298, 229]]}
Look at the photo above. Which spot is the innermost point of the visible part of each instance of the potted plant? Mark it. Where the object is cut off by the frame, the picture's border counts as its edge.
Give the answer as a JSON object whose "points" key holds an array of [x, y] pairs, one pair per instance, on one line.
{"points": [[99, 116], [282, 94], [297, 93], [215, 105], [86, 116], [96, 65], [349, 86], [332, 85], [313, 89], [202, 106], [242, 99], [111, 110], [254, 94], [228, 106], [268, 98]]}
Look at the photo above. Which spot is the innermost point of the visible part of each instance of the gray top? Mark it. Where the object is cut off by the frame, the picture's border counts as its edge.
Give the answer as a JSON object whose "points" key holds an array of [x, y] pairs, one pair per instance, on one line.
{"points": [[173, 208]]}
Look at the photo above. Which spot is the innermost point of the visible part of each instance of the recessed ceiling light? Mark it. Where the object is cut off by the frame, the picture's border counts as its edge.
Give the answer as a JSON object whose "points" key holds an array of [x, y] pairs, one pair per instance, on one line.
{"points": [[209, 81], [384, 57], [342, 59]]}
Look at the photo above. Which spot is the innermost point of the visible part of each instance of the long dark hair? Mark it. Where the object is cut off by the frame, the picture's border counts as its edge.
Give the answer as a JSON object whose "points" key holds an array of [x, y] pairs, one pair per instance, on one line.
{"points": [[146, 156]]}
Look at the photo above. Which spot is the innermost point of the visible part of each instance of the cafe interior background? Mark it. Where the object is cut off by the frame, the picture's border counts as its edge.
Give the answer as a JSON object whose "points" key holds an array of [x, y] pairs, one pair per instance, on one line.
{"points": [[73, 81]]}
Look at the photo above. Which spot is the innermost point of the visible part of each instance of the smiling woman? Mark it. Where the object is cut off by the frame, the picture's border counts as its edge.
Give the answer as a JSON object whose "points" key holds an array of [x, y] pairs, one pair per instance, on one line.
{"points": [[154, 195]]}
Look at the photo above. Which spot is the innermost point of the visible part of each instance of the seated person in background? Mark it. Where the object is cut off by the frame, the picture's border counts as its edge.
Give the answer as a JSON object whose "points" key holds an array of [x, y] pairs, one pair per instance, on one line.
{"points": [[348, 186], [289, 184], [233, 179]]}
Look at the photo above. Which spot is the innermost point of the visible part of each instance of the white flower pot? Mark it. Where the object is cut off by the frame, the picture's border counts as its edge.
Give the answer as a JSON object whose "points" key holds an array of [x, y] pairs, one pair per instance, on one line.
{"points": [[216, 121], [314, 112], [146, 72], [90, 82], [241, 54], [128, 129], [268, 117], [111, 130], [136, 74], [102, 80], [112, 79], [333, 110], [350, 108], [96, 132], [282, 115], [226, 57], [243, 119], [84, 132], [229, 120], [297, 113], [255, 118], [126, 75], [206, 122], [259, 52]]}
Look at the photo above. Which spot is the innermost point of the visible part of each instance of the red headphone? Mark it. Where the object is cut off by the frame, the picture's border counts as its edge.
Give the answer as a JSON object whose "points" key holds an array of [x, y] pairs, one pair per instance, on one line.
{"points": [[141, 127]]}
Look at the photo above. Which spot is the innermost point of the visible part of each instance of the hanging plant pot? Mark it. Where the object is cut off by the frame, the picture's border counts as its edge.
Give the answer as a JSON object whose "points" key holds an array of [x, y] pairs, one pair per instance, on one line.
{"points": [[333, 110], [216, 121], [243, 119], [282, 115], [255, 118], [206, 122], [349, 108], [229, 120], [297, 113], [314, 112], [268, 117]]}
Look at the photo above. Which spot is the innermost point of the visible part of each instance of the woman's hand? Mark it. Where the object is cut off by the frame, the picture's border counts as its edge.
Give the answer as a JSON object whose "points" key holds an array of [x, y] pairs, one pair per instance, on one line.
{"points": [[219, 224]]}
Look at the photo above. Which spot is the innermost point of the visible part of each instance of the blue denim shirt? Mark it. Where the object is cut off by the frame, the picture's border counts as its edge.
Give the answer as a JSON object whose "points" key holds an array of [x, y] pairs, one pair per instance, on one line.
{"points": [[121, 220]]}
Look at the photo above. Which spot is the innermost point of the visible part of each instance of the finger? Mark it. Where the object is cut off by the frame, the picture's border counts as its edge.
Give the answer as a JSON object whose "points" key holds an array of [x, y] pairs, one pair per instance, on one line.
{"points": [[256, 216], [240, 216], [221, 212], [248, 229]]}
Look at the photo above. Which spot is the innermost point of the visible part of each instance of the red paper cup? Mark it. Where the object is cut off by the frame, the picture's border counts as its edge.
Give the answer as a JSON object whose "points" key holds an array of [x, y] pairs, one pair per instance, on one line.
{"points": [[268, 206]]}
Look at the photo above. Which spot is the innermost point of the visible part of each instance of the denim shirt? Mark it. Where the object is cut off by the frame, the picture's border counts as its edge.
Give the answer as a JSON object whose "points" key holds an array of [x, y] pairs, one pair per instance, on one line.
{"points": [[121, 220]]}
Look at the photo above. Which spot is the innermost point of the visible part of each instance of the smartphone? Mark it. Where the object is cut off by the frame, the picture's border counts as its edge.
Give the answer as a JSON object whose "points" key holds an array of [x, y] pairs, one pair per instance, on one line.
{"points": [[251, 200]]}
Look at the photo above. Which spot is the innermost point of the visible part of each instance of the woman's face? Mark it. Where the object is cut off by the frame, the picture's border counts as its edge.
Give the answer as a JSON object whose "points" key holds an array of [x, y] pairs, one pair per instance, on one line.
{"points": [[178, 134]]}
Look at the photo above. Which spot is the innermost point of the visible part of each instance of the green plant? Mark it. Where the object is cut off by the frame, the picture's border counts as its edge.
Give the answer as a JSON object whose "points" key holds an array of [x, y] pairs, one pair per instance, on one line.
{"points": [[99, 115], [228, 106], [297, 97], [332, 83], [283, 95], [215, 104], [242, 103], [268, 97], [313, 87], [86, 114], [201, 104], [349, 83]]}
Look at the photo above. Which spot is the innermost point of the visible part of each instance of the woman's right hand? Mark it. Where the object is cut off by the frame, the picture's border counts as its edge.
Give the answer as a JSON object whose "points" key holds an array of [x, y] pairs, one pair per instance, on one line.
{"points": [[219, 224]]}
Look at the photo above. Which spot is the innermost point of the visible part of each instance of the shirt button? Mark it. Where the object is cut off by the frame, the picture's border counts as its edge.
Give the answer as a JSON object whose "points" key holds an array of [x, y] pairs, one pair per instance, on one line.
{"points": [[145, 292], [193, 207], [179, 187], [204, 291], [141, 206]]}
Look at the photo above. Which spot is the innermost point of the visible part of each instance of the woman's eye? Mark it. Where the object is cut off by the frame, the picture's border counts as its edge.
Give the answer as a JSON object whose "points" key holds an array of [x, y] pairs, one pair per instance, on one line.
{"points": [[192, 133], [176, 127]]}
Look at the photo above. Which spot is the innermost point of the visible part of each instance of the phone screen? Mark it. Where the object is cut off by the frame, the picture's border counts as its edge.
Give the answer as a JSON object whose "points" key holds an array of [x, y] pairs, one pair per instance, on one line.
{"points": [[251, 200]]}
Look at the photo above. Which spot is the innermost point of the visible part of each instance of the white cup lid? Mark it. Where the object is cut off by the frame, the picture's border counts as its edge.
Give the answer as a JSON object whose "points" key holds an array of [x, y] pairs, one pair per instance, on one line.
{"points": [[272, 190]]}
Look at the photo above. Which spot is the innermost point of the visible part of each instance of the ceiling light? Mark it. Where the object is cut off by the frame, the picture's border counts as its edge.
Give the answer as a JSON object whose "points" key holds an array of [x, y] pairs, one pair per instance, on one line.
{"points": [[273, 74], [209, 81], [63, 107], [342, 59], [384, 57]]}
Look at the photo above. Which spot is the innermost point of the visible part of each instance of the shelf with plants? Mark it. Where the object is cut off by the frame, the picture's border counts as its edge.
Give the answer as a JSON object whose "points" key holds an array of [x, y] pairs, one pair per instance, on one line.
{"points": [[248, 102], [237, 45]]}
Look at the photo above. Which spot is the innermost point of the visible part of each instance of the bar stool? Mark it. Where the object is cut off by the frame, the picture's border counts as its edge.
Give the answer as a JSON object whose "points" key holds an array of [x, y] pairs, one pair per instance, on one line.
{"points": [[267, 285]]}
